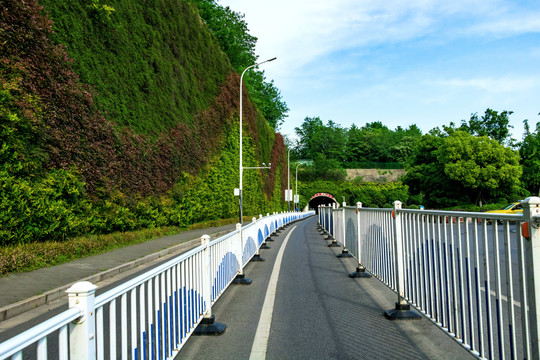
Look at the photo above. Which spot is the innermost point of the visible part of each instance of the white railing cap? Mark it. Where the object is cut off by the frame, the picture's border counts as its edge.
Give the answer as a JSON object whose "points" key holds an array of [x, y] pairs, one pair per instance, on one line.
{"points": [[81, 287]]}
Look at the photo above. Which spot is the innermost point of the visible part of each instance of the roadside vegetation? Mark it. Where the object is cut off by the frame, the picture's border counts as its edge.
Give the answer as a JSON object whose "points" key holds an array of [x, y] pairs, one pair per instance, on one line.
{"points": [[475, 166], [120, 116], [36, 255]]}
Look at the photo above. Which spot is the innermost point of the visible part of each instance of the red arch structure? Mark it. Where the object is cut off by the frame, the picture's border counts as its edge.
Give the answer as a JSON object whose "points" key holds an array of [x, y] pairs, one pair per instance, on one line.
{"points": [[321, 199]]}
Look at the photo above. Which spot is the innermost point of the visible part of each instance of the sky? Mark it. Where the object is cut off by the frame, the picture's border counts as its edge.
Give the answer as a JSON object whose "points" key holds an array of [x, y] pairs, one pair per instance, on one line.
{"points": [[400, 62]]}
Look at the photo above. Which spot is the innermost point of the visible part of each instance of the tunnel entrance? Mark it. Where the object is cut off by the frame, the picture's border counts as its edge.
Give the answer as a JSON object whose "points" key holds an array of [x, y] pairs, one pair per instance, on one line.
{"points": [[321, 199]]}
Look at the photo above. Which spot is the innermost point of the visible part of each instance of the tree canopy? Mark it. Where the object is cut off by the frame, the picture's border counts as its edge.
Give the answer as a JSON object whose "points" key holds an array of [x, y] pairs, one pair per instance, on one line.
{"points": [[457, 167], [373, 142], [492, 124], [232, 34], [530, 159]]}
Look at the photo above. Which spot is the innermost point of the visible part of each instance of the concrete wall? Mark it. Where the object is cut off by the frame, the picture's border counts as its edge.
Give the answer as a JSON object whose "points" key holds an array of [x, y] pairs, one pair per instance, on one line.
{"points": [[375, 175]]}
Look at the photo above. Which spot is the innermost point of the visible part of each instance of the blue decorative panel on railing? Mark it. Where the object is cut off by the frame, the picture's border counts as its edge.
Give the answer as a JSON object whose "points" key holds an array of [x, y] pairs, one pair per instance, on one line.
{"points": [[226, 272], [260, 237], [266, 232], [249, 249], [175, 318], [272, 227]]}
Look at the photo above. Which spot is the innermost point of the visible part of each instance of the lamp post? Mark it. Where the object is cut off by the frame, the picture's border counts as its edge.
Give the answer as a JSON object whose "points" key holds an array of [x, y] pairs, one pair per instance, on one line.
{"points": [[288, 179], [241, 167]]}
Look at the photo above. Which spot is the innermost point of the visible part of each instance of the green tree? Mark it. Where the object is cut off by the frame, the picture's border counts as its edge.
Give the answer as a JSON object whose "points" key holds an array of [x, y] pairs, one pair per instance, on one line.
{"points": [[456, 167], [492, 124], [316, 138], [530, 159], [375, 142], [232, 34], [482, 165], [308, 133], [324, 168]]}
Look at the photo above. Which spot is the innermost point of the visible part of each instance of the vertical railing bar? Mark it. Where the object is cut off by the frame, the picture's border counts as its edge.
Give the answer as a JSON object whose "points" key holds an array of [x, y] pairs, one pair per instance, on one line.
{"points": [[510, 289], [133, 320], [163, 329], [124, 329], [498, 293], [461, 307], [99, 334], [425, 267], [183, 329], [455, 318], [418, 252], [440, 269], [150, 327], [429, 243], [63, 350], [142, 321], [525, 333], [389, 246], [469, 293], [447, 281], [112, 329], [179, 304], [42, 349], [436, 267], [173, 309], [157, 316], [168, 299], [479, 316], [487, 285], [407, 250], [431, 262]]}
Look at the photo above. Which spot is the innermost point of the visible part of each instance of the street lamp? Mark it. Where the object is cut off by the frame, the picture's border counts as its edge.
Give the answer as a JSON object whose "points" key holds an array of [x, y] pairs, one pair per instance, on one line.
{"points": [[241, 167], [288, 178]]}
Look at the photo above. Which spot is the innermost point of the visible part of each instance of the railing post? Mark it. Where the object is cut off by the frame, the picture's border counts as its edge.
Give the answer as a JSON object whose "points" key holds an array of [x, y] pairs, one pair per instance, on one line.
{"points": [[344, 252], [241, 278], [332, 236], [257, 256], [531, 212], [82, 332], [208, 324], [360, 269], [402, 310]]}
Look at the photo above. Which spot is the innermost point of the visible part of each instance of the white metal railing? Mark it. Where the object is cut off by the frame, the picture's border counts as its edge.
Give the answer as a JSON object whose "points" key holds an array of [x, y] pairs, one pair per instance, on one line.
{"points": [[152, 315], [475, 275]]}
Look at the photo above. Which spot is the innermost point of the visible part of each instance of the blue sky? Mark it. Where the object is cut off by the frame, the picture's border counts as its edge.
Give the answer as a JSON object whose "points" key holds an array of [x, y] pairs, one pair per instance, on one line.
{"points": [[401, 62]]}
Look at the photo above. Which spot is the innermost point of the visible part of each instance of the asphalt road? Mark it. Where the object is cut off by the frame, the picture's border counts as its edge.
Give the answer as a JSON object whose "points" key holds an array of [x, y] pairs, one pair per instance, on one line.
{"points": [[318, 312]]}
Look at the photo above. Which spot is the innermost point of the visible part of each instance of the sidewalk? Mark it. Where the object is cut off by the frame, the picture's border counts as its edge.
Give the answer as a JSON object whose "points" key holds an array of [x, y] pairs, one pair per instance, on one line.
{"points": [[21, 292]]}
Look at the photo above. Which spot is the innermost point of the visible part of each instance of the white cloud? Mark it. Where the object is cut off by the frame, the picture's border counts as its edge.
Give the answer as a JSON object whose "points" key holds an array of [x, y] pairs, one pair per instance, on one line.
{"points": [[493, 85], [332, 53]]}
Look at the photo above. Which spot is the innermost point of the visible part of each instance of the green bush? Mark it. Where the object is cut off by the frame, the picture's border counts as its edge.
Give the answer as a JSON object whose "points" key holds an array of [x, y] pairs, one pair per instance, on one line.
{"points": [[53, 207]]}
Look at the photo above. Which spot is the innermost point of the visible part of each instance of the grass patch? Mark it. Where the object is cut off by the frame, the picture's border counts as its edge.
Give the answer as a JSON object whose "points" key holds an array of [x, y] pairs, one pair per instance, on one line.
{"points": [[33, 256]]}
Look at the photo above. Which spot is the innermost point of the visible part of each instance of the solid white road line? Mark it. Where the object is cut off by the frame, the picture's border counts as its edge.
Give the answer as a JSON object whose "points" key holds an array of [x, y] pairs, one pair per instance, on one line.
{"points": [[260, 343]]}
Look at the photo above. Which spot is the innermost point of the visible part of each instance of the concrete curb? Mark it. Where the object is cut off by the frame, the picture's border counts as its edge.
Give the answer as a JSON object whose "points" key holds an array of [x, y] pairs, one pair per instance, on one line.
{"points": [[12, 310]]}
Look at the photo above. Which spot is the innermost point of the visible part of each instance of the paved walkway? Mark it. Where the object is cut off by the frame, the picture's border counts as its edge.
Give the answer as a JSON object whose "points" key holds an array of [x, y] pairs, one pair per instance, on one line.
{"points": [[21, 292]]}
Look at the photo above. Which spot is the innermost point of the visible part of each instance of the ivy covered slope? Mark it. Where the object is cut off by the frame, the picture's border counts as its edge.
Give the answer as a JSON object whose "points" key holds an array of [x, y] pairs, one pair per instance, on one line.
{"points": [[120, 116]]}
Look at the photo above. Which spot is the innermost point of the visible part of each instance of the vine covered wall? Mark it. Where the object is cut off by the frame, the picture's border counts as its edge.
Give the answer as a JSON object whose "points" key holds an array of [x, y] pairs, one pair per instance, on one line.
{"points": [[71, 164]]}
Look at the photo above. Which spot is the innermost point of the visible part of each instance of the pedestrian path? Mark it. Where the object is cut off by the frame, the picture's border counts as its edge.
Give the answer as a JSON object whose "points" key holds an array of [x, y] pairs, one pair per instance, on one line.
{"points": [[21, 292]]}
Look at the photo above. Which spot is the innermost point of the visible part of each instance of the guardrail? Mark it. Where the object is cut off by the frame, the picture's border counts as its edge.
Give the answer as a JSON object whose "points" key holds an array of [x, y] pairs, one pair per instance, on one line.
{"points": [[154, 314], [474, 275]]}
